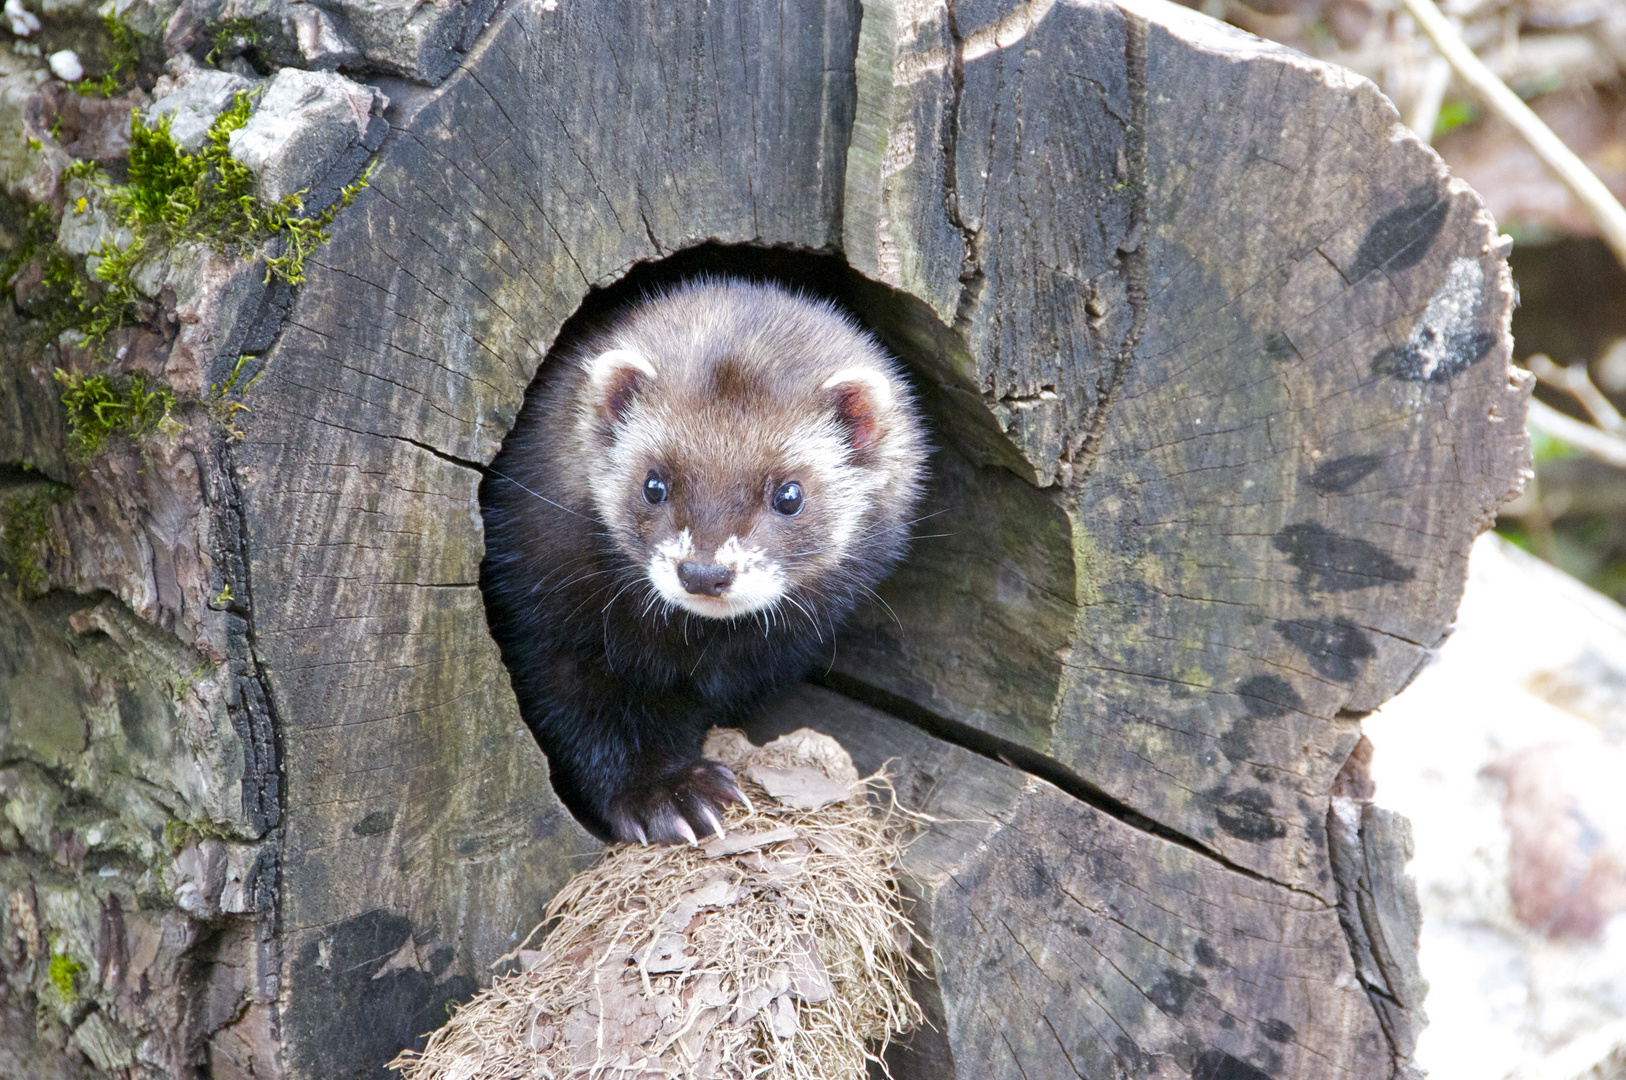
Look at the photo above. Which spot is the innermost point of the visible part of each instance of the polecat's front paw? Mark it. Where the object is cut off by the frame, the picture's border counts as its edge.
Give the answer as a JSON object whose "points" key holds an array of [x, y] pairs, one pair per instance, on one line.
{"points": [[677, 805]]}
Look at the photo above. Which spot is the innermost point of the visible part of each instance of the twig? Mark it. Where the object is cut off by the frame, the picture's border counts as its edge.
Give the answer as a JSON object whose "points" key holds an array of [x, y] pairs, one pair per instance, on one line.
{"points": [[1574, 380], [1598, 200], [1425, 111], [1608, 448]]}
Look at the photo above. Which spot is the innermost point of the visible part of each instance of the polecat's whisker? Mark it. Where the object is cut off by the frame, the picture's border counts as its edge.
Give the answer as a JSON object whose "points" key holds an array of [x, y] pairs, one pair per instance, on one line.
{"points": [[617, 595], [809, 615], [630, 618], [882, 601], [528, 491], [577, 581]]}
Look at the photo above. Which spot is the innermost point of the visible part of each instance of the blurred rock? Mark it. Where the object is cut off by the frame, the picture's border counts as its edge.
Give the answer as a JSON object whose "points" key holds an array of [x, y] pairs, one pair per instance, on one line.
{"points": [[192, 101], [310, 131], [1506, 754], [89, 128], [1598, 1056], [1567, 835]]}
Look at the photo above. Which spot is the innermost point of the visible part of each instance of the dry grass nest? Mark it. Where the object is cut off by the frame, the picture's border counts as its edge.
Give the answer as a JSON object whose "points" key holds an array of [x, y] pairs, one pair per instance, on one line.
{"points": [[778, 950]]}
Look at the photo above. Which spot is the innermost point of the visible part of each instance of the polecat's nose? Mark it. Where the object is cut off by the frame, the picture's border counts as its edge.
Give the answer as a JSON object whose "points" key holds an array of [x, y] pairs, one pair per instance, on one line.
{"points": [[705, 580]]}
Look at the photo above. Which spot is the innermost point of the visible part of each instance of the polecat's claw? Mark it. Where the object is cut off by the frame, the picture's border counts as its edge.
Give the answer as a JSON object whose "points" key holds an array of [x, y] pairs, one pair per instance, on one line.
{"points": [[736, 795], [721, 375], [675, 805], [626, 829]]}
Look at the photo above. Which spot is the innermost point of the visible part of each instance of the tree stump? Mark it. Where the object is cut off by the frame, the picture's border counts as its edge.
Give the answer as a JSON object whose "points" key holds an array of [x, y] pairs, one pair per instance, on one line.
{"points": [[1217, 359]]}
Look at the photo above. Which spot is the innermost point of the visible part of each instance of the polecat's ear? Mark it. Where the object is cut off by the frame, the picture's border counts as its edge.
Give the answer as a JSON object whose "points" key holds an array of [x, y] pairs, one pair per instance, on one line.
{"points": [[614, 377], [862, 398]]}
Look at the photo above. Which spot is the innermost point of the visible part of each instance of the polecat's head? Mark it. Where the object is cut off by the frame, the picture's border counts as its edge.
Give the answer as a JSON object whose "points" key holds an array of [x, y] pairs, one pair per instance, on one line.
{"points": [[745, 445]]}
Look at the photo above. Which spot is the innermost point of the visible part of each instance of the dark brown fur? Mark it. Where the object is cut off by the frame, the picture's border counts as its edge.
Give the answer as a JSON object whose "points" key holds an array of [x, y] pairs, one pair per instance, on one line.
{"points": [[726, 393]]}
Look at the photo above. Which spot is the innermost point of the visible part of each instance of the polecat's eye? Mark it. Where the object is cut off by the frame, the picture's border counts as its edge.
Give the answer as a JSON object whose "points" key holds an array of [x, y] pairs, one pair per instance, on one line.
{"points": [[788, 499], [654, 488]]}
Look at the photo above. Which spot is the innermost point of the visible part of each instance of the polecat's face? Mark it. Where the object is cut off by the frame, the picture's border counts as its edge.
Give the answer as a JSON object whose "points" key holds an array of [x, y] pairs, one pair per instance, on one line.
{"points": [[749, 569], [738, 482]]}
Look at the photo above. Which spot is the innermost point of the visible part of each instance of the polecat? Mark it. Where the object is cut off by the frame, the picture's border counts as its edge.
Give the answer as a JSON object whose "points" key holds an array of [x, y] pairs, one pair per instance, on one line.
{"points": [[690, 502]]}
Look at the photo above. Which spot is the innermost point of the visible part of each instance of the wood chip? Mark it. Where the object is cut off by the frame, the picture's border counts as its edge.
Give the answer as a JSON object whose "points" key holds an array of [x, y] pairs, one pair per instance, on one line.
{"points": [[782, 1016], [735, 842], [799, 786], [668, 954], [809, 978]]}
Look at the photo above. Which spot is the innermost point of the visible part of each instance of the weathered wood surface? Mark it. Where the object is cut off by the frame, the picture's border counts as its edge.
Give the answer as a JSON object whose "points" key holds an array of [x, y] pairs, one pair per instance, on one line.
{"points": [[1217, 356], [1067, 942], [544, 167], [1261, 356]]}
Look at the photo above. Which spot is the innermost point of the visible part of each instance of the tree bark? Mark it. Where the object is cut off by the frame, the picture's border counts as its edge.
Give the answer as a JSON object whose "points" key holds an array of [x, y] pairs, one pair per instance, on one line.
{"points": [[1217, 360]]}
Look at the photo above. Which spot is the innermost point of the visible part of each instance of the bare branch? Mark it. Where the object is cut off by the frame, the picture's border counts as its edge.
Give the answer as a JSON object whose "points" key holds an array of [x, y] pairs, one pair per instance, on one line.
{"points": [[1602, 445], [1426, 109], [1600, 203], [1574, 380]]}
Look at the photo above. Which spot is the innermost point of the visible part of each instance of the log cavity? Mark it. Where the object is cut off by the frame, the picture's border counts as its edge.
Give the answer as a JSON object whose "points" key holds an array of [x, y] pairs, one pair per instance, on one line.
{"points": [[984, 531]]}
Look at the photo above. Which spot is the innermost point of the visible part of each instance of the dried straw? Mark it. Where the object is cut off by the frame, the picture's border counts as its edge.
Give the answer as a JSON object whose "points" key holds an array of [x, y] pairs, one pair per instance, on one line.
{"points": [[779, 950]]}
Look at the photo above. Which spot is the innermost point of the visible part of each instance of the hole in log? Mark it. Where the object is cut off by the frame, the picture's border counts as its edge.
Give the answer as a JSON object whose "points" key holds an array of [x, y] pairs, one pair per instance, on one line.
{"points": [[976, 621]]}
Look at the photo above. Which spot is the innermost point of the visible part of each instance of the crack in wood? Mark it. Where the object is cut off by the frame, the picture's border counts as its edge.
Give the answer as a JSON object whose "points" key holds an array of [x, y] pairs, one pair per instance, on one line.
{"points": [[1379, 915], [1082, 454], [1062, 1047], [253, 711], [971, 274], [1025, 759], [451, 459], [264, 792]]}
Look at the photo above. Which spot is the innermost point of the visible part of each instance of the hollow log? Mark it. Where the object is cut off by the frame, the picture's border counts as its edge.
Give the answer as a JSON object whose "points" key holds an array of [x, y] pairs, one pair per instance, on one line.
{"points": [[1217, 362]]}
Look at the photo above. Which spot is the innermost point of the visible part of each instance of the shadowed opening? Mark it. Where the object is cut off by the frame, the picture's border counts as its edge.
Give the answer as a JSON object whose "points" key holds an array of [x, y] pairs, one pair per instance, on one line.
{"points": [[972, 625], [974, 542]]}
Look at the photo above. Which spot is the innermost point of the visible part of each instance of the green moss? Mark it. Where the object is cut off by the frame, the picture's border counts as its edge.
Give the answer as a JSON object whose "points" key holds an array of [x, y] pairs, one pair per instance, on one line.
{"points": [[165, 185], [179, 835], [233, 37], [100, 406], [1545, 448], [230, 386], [63, 302], [184, 684], [1453, 114], [171, 196], [226, 399], [33, 237], [64, 975], [304, 235], [22, 530], [115, 269], [123, 58]]}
